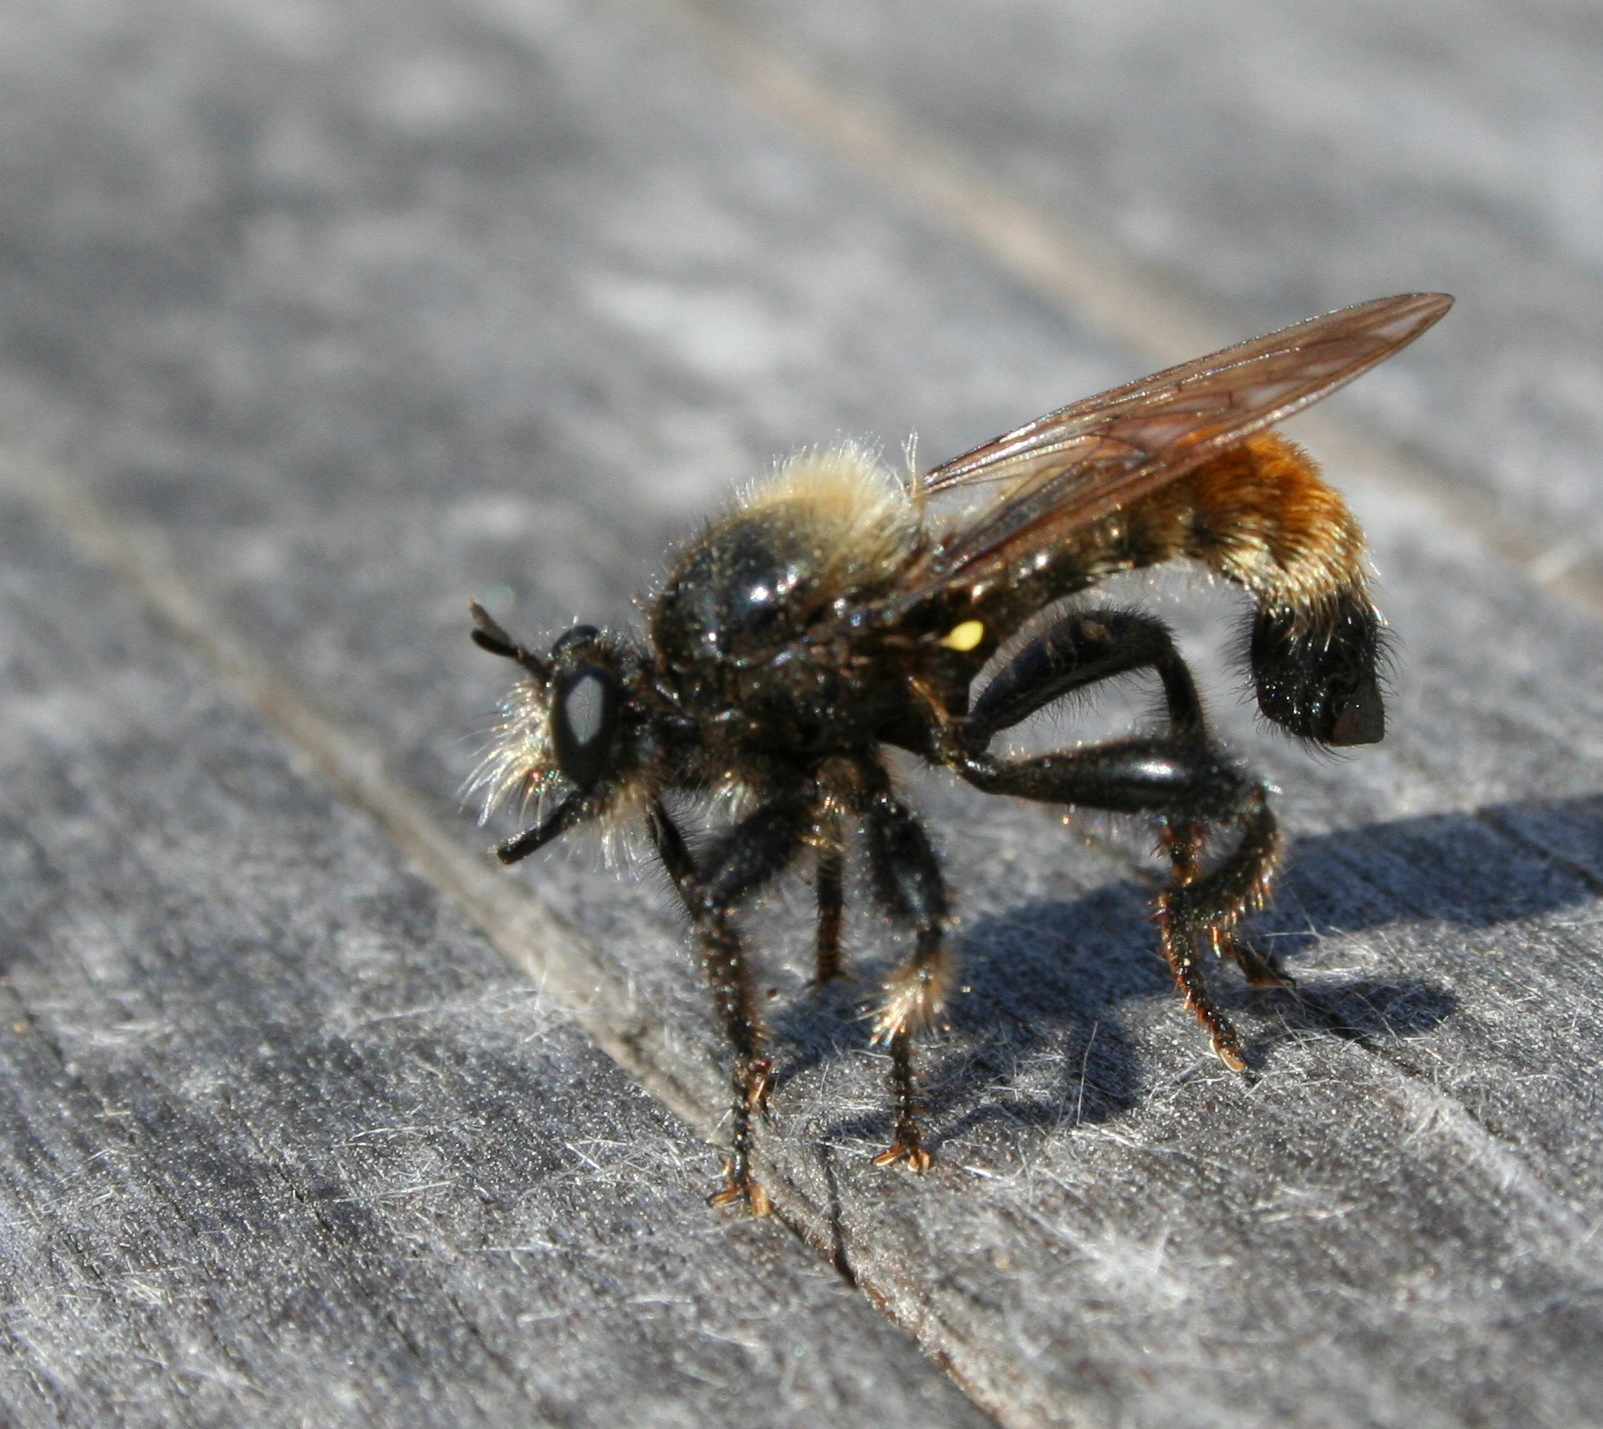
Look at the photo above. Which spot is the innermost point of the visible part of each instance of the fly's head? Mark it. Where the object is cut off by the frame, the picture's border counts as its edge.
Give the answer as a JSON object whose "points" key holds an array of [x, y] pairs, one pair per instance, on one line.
{"points": [[573, 743]]}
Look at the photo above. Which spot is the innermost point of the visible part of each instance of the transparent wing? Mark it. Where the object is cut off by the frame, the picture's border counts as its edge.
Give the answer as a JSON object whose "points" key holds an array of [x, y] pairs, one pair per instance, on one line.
{"points": [[1081, 463]]}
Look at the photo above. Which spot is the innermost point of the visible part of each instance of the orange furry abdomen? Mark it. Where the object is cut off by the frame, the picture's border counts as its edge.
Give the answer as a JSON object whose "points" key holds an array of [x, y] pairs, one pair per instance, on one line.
{"points": [[1260, 515]]}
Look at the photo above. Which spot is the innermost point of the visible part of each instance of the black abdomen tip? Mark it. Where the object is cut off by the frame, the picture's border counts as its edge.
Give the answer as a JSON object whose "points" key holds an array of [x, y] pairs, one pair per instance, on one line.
{"points": [[1318, 678], [1360, 718]]}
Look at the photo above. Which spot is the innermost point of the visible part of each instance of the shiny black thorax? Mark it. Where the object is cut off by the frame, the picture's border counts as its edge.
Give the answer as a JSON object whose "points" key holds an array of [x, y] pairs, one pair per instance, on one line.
{"points": [[772, 655]]}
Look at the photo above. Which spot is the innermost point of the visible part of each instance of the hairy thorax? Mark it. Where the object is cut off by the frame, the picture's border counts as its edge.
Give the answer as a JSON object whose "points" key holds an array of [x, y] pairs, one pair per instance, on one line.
{"points": [[746, 624]]}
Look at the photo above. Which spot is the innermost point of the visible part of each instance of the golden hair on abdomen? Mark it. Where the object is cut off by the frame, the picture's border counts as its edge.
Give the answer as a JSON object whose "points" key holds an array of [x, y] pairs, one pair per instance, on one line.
{"points": [[1261, 515]]}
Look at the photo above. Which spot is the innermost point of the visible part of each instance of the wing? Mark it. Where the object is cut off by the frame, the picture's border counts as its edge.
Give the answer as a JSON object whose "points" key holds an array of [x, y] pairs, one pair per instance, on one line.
{"points": [[1085, 461]]}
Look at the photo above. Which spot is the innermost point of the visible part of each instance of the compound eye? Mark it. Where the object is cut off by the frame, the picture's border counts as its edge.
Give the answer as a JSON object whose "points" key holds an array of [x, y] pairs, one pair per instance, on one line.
{"points": [[584, 719]]}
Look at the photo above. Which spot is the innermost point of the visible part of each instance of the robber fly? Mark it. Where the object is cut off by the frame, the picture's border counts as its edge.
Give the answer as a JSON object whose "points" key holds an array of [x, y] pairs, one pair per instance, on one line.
{"points": [[830, 614]]}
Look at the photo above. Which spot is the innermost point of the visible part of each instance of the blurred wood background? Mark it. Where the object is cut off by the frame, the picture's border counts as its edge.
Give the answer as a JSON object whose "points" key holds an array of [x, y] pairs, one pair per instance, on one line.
{"points": [[317, 319]]}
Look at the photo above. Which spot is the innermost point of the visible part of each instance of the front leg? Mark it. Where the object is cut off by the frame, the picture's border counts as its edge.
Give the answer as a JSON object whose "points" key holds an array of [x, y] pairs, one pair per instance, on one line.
{"points": [[671, 848], [830, 839], [742, 861]]}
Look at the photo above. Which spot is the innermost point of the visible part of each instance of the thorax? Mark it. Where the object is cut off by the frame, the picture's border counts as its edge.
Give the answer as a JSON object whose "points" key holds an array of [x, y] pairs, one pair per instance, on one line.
{"points": [[757, 627]]}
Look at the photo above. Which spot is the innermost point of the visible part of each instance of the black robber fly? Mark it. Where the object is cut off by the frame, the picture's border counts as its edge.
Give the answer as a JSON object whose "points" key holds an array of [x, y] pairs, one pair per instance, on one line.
{"points": [[833, 612]]}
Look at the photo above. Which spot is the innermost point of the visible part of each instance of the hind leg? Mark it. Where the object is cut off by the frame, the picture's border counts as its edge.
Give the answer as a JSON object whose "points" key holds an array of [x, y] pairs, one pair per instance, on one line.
{"points": [[1190, 785], [1085, 648]]}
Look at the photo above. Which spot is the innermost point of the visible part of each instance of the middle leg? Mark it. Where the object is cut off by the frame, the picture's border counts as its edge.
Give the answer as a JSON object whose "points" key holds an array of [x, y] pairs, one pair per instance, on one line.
{"points": [[906, 879]]}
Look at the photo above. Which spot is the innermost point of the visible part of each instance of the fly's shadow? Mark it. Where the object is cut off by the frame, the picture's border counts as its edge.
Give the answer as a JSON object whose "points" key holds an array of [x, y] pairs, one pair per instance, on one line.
{"points": [[1039, 1027]]}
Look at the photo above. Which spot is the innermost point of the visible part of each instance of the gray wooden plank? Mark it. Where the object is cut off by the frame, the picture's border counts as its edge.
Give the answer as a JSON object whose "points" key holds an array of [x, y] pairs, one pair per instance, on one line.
{"points": [[365, 345], [284, 1142], [1273, 160]]}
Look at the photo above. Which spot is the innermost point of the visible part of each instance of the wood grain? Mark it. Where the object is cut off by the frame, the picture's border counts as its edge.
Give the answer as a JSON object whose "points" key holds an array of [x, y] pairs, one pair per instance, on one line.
{"points": [[321, 321], [286, 1143]]}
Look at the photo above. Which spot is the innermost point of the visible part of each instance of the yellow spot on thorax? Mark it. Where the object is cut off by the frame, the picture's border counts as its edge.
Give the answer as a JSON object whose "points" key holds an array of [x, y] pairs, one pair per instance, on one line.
{"points": [[964, 637]]}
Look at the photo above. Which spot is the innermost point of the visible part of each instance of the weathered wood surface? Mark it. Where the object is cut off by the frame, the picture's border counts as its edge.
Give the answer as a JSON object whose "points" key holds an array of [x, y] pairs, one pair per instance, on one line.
{"points": [[286, 1141], [321, 318]]}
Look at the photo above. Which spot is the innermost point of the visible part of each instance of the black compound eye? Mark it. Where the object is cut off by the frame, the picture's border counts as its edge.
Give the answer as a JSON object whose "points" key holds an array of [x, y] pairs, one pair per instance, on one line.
{"points": [[584, 719]]}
